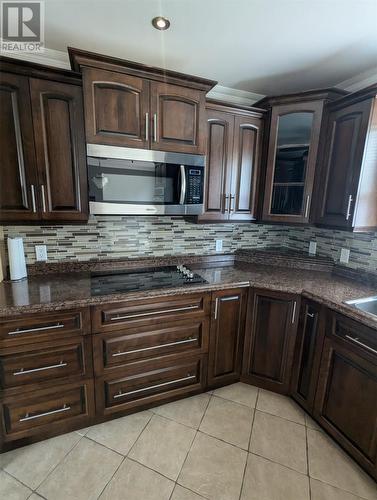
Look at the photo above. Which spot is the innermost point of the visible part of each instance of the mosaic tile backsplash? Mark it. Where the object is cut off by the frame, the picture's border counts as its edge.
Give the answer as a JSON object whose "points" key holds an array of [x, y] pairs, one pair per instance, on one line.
{"points": [[106, 237]]}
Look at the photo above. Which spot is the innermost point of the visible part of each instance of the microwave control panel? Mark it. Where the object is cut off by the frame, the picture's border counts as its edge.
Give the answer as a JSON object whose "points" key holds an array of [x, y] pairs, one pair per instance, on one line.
{"points": [[194, 185]]}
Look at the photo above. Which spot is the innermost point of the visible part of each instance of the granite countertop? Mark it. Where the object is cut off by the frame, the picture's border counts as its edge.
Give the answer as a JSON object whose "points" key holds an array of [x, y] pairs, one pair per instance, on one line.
{"points": [[51, 292]]}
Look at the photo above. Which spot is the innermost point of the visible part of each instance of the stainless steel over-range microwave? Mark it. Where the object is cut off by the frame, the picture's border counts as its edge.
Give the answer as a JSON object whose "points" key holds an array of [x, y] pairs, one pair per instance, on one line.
{"points": [[143, 182]]}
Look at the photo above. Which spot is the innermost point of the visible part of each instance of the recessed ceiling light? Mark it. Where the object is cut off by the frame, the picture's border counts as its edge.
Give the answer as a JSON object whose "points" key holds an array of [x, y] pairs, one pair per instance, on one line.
{"points": [[160, 23]]}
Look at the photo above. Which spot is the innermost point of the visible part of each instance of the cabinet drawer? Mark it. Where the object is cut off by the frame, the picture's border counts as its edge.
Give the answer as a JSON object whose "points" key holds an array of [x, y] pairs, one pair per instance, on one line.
{"points": [[116, 349], [148, 312], [38, 327], [40, 411], [362, 338], [155, 381], [46, 363]]}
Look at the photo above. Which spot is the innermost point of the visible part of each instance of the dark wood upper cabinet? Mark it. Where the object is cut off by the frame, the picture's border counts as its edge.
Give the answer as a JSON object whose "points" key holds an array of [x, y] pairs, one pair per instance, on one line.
{"points": [[133, 105], [60, 148], [18, 197], [226, 336], [347, 179], [116, 108], [346, 402], [43, 168], [178, 121], [234, 142], [309, 341], [270, 340]]}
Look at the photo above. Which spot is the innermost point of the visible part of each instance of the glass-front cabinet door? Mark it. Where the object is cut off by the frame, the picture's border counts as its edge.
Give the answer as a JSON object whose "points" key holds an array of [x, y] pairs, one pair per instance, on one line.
{"points": [[292, 154]]}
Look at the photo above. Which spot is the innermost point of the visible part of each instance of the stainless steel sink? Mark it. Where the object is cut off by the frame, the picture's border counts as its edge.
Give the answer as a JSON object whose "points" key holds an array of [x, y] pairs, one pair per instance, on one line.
{"points": [[368, 304]]}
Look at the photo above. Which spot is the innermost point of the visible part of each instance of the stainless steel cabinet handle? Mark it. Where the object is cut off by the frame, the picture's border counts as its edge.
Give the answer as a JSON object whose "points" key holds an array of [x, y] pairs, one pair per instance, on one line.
{"points": [[361, 344], [294, 312], [164, 384], [43, 198], [228, 299], [39, 415], [152, 313], [155, 127], [307, 206], [34, 370], [146, 126], [216, 307], [33, 198], [170, 344], [231, 208], [350, 200], [226, 203], [311, 315], [39, 329]]}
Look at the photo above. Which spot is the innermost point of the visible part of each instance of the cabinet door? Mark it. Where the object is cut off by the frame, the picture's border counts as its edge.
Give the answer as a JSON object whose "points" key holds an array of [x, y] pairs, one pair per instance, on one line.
{"points": [[178, 121], [116, 108], [270, 334], [17, 168], [292, 155], [343, 152], [310, 335], [60, 148], [226, 336], [220, 129], [346, 402], [246, 164]]}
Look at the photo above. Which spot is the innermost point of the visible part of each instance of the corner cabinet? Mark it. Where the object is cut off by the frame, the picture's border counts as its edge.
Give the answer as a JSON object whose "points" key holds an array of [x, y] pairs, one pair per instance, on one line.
{"points": [[226, 336], [234, 147], [43, 168], [347, 180], [133, 105], [270, 340], [346, 402]]}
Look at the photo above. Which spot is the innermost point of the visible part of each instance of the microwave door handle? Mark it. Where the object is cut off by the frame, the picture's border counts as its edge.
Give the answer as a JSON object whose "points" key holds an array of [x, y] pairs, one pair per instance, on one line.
{"points": [[183, 185]]}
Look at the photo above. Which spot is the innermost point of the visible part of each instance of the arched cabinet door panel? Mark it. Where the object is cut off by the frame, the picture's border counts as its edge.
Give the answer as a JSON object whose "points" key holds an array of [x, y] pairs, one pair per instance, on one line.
{"points": [[60, 149], [17, 167], [116, 108], [177, 118]]}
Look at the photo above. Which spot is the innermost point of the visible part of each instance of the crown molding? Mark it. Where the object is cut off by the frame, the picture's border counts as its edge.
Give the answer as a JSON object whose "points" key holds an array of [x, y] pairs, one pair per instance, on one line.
{"points": [[234, 96], [360, 81], [48, 57]]}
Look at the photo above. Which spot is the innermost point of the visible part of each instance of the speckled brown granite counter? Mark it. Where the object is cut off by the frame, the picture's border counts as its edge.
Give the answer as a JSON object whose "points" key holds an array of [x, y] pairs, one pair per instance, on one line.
{"points": [[61, 291]]}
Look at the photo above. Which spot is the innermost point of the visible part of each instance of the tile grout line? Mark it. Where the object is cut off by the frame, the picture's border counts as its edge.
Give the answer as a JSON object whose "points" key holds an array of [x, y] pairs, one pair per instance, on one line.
{"points": [[124, 456], [341, 489], [307, 460], [18, 481], [192, 443], [248, 445]]}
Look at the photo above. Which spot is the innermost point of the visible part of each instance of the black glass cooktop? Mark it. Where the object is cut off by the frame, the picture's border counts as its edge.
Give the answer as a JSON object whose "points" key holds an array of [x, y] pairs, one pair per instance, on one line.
{"points": [[132, 280]]}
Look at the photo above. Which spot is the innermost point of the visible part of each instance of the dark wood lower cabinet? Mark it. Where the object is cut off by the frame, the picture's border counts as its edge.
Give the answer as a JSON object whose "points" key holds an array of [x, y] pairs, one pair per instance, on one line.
{"points": [[227, 336], [346, 399], [309, 342], [270, 340]]}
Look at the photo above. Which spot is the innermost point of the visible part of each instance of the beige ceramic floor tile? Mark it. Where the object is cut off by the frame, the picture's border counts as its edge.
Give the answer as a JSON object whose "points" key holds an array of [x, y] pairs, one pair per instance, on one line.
{"points": [[33, 463], [11, 489], [82, 474], [133, 481], [279, 440], [328, 463], [228, 421], [265, 480], [120, 434], [281, 406], [163, 446], [243, 394], [181, 493], [213, 469], [187, 411], [323, 491]]}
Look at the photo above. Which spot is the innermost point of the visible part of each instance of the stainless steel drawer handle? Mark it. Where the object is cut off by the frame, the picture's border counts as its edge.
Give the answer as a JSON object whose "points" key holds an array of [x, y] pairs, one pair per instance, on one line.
{"points": [[39, 329], [228, 299], [153, 313], [311, 315], [164, 384], [40, 415], [361, 344], [34, 370], [170, 344]]}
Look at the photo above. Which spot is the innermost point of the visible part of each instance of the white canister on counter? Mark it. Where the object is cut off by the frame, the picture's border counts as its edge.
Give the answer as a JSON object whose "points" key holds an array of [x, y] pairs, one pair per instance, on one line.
{"points": [[16, 256]]}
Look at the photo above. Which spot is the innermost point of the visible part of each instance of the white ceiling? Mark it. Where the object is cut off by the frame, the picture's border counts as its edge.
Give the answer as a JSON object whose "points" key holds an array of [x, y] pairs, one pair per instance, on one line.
{"points": [[264, 46]]}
